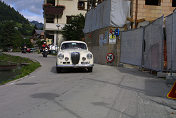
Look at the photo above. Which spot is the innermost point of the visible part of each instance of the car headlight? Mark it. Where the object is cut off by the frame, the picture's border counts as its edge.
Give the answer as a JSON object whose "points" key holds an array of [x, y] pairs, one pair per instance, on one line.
{"points": [[83, 58], [66, 58], [60, 56], [89, 56]]}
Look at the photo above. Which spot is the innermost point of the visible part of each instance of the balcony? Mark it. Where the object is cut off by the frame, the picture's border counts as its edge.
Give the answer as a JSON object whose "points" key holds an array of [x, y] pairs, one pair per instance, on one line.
{"points": [[53, 26], [53, 10]]}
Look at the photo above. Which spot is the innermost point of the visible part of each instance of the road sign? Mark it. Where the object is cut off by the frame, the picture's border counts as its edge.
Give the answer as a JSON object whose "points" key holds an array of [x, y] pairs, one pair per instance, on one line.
{"points": [[110, 57], [172, 93], [117, 32]]}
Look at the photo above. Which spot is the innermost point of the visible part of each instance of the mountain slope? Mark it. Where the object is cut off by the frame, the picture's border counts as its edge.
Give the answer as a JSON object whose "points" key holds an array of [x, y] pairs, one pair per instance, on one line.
{"points": [[8, 13], [37, 24]]}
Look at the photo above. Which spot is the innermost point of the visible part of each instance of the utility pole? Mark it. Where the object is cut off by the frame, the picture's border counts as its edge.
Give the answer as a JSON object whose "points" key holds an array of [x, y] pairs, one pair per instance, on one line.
{"points": [[93, 3], [88, 5], [136, 13]]}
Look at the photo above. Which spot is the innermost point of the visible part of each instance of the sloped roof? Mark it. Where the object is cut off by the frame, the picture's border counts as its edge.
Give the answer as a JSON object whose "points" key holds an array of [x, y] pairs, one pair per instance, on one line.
{"points": [[39, 32]]}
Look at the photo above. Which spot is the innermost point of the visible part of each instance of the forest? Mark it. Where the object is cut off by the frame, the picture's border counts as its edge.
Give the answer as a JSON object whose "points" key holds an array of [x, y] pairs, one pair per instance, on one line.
{"points": [[15, 30]]}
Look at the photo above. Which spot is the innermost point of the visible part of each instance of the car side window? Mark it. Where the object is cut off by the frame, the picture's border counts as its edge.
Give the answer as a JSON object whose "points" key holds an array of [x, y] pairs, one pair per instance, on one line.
{"points": [[83, 46], [63, 46]]}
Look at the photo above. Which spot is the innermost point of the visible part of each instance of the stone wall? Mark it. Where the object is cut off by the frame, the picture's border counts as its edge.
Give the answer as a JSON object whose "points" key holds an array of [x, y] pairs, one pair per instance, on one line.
{"points": [[99, 49]]}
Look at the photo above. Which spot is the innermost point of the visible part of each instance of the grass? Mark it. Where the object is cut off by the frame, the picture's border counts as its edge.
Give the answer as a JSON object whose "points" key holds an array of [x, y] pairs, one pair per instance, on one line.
{"points": [[24, 70]]}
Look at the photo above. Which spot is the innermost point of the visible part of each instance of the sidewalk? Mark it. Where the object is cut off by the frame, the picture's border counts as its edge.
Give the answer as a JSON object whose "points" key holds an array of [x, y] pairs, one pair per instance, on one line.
{"points": [[155, 89]]}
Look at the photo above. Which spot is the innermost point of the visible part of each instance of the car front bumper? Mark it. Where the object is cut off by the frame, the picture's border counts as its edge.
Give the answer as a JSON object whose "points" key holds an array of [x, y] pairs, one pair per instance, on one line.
{"points": [[75, 66]]}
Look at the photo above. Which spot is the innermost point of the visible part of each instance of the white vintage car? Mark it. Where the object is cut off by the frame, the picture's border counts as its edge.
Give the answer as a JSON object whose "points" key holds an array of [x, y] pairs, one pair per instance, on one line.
{"points": [[74, 54]]}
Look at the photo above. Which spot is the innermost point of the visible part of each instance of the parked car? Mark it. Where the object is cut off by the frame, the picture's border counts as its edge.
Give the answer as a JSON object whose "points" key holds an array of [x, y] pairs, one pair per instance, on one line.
{"points": [[28, 50], [74, 54], [24, 49], [53, 49], [32, 49]]}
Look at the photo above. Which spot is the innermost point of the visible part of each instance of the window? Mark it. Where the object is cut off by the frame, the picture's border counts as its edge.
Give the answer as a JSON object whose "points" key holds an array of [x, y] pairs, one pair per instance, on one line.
{"points": [[49, 20], [153, 2], [173, 3], [49, 36], [81, 5], [42, 37], [52, 2], [69, 19]]}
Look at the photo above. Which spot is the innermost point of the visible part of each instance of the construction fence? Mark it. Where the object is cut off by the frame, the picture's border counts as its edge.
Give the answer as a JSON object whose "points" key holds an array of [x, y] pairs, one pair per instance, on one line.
{"points": [[143, 47], [171, 41], [152, 47], [131, 47]]}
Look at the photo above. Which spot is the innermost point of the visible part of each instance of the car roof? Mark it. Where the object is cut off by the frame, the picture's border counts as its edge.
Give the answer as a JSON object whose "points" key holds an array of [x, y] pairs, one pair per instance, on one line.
{"points": [[73, 41]]}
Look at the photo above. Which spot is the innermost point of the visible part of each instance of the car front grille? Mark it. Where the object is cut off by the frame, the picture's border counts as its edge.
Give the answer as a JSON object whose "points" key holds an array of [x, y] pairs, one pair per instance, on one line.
{"points": [[66, 62], [75, 56]]}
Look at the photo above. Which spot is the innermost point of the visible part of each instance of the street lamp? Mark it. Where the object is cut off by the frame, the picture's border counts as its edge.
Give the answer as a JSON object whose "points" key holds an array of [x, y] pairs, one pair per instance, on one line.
{"points": [[57, 25]]}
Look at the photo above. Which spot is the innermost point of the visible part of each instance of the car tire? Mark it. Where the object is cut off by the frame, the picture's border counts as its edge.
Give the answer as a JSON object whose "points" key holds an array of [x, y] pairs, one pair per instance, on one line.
{"points": [[58, 70], [90, 69], [44, 55]]}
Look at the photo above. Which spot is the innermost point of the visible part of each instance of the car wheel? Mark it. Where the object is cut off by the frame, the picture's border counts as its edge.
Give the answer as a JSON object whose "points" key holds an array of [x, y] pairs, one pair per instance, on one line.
{"points": [[58, 70], [90, 69]]}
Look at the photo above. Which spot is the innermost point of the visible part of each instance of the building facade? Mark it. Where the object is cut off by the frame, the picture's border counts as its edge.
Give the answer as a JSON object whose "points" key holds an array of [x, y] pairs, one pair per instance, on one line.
{"points": [[144, 10], [57, 13], [151, 9]]}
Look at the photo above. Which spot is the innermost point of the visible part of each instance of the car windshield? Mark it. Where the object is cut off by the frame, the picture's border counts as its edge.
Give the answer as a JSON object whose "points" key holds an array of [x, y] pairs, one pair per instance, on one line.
{"points": [[73, 45]]}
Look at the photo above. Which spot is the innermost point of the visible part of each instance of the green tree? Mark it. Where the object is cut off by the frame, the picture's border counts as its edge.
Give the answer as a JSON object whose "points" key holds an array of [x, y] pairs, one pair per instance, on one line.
{"points": [[26, 29], [8, 13], [10, 36], [27, 42], [74, 30], [39, 42], [13, 27]]}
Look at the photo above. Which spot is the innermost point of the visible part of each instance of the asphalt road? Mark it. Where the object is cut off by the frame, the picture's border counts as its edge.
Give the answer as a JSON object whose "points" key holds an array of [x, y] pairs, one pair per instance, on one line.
{"points": [[107, 92]]}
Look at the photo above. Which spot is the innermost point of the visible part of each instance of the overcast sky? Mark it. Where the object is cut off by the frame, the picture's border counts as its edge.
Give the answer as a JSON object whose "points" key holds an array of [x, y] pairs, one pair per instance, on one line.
{"points": [[30, 9]]}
